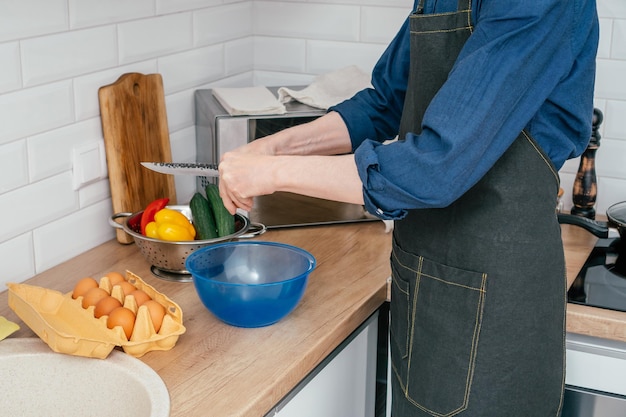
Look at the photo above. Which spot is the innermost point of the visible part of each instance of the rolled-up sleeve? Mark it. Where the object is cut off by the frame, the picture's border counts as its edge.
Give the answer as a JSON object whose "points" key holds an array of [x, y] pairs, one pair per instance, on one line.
{"points": [[374, 183]]}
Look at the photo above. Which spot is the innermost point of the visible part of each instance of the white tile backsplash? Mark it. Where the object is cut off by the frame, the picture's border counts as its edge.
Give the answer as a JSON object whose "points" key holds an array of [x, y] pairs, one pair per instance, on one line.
{"points": [[184, 150], [613, 125], [239, 55], [310, 21], [55, 54], [610, 82], [14, 162], [380, 24], [10, 70], [21, 19], [221, 24], [191, 68], [618, 44], [613, 9], [94, 193], [611, 159], [180, 110], [34, 110], [169, 6], [22, 265], [325, 56], [153, 37], [279, 54], [50, 153], [37, 204], [88, 13], [55, 57], [60, 240]]}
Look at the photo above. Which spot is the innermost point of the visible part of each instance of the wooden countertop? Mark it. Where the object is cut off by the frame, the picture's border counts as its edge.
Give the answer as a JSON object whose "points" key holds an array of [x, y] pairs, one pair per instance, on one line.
{"points": [[220, 370], [245, 372]]}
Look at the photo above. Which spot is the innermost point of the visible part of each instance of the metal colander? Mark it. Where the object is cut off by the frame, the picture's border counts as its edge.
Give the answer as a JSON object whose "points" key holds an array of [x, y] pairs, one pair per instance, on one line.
{"points": [[169, 257]]}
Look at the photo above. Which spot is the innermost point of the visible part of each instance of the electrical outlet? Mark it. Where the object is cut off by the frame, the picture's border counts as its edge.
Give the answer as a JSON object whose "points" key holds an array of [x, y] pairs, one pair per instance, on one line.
{"points": [[88, 164]]}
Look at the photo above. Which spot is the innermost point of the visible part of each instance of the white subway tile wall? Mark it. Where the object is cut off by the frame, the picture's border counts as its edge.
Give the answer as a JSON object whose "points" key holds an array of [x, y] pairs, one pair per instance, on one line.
{"points": [[55, 59]]}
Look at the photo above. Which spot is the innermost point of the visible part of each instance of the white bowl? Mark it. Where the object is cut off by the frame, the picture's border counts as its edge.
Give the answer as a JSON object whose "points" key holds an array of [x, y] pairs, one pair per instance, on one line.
{"points": [[39, 382]]}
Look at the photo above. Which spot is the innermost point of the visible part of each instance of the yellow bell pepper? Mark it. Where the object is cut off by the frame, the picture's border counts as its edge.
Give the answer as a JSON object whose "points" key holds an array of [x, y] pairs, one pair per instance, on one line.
{"points": [[170, 225]]}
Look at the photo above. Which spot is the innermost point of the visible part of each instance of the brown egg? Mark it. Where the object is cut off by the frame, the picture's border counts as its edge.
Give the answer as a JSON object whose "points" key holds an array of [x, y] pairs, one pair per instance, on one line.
{"points": [[157, 313], [115, 277], [140, 296], [92, 297], [105, 306], [121, 316], [83, 285], [127, 287]]}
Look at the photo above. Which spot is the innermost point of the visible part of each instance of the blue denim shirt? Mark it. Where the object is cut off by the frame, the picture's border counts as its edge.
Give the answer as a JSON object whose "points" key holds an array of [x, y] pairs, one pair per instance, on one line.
{"points": [[528, 64]]}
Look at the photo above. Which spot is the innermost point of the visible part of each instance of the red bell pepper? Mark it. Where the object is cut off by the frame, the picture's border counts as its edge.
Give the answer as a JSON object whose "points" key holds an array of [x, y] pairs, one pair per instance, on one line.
{"points": [[150, 211]]}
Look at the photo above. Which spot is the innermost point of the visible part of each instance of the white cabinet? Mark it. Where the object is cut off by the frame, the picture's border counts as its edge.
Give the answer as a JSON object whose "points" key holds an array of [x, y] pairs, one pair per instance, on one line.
{"points": [[343, 386], [597, 364]]}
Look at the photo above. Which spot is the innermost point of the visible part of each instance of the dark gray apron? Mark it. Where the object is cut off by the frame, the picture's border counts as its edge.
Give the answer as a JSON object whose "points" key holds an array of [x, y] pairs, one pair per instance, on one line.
{"points": [[479, 288]]}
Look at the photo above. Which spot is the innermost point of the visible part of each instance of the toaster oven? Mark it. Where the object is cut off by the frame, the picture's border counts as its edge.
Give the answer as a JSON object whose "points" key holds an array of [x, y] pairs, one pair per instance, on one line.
{"points": [[218, 132]]}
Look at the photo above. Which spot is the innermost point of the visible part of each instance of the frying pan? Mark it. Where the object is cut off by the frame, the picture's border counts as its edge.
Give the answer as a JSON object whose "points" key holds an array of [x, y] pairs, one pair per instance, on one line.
{"points": [[616, 215]]}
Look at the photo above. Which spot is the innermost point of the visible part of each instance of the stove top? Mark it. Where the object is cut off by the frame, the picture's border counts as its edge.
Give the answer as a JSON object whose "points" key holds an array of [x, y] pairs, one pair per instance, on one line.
{"points": [[602, 280]]}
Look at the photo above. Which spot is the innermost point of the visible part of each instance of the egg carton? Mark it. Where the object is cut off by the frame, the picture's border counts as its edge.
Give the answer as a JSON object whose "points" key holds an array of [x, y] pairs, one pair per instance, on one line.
{"points": [[67, 327]]}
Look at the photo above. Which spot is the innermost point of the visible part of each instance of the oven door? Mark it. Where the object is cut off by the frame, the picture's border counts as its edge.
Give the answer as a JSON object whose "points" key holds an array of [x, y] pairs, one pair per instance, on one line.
{"points": [[596, 377], [580, 402]]}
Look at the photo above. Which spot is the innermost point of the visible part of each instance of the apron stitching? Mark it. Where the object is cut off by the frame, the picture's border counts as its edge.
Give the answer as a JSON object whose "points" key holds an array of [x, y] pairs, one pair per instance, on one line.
{"points": [[422, 274], [442, 31], [407, 318], [418, 278], [479, 321], [469, 16], [558, 413], [427, 15], [399, 288], [548, 164]]}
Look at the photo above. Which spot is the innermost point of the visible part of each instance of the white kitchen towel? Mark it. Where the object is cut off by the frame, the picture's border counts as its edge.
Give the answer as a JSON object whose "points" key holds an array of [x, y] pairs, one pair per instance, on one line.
{"points": [[240, 101], [328, 89]]}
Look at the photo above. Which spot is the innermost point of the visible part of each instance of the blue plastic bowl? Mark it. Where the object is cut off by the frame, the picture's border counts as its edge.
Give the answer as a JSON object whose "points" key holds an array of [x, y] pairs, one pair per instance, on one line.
{"points": [[250, 284]]}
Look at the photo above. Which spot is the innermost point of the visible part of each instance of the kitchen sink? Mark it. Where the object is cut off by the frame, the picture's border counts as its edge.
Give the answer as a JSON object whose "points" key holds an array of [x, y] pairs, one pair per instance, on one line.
{"points": [[39, 382]]}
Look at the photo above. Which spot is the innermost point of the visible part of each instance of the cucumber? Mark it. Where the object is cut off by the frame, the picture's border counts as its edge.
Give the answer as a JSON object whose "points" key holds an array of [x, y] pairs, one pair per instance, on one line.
{"points": [[203, 218], [224, 221]]}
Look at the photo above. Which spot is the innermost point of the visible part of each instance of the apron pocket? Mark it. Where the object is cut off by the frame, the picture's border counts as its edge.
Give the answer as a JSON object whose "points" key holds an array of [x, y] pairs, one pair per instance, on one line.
{"points": [[435, 328], [398, 330]]}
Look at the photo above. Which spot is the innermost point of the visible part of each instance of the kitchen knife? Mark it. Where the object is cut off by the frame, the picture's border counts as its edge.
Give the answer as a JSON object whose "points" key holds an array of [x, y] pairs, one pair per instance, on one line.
{"points": [[183, 168]]}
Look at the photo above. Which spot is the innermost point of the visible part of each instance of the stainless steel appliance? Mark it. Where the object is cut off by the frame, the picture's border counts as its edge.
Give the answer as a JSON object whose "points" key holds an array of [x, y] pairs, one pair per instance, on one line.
{"points": [[596, 386], [218, 132]]}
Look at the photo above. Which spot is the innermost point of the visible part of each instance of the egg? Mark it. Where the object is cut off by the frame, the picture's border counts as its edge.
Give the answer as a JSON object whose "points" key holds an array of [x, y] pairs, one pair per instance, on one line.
{"points": [[127, 287], [115, 277], [121, 316], [92, 297], [140, 296], [105, 306], [83, 285], [157, 313]]}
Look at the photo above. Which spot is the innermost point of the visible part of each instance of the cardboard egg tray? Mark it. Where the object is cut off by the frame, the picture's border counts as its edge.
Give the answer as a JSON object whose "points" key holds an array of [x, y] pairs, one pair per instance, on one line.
{"points": [[67, 327]]}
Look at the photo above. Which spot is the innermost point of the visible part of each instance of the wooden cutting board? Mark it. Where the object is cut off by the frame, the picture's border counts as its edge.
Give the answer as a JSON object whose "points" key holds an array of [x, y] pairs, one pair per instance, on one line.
{"points": [[134, 124]]}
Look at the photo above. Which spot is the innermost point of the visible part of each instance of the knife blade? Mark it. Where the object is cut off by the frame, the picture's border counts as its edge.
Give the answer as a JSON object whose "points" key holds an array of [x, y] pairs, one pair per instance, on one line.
{"points": [[183, 168]]}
